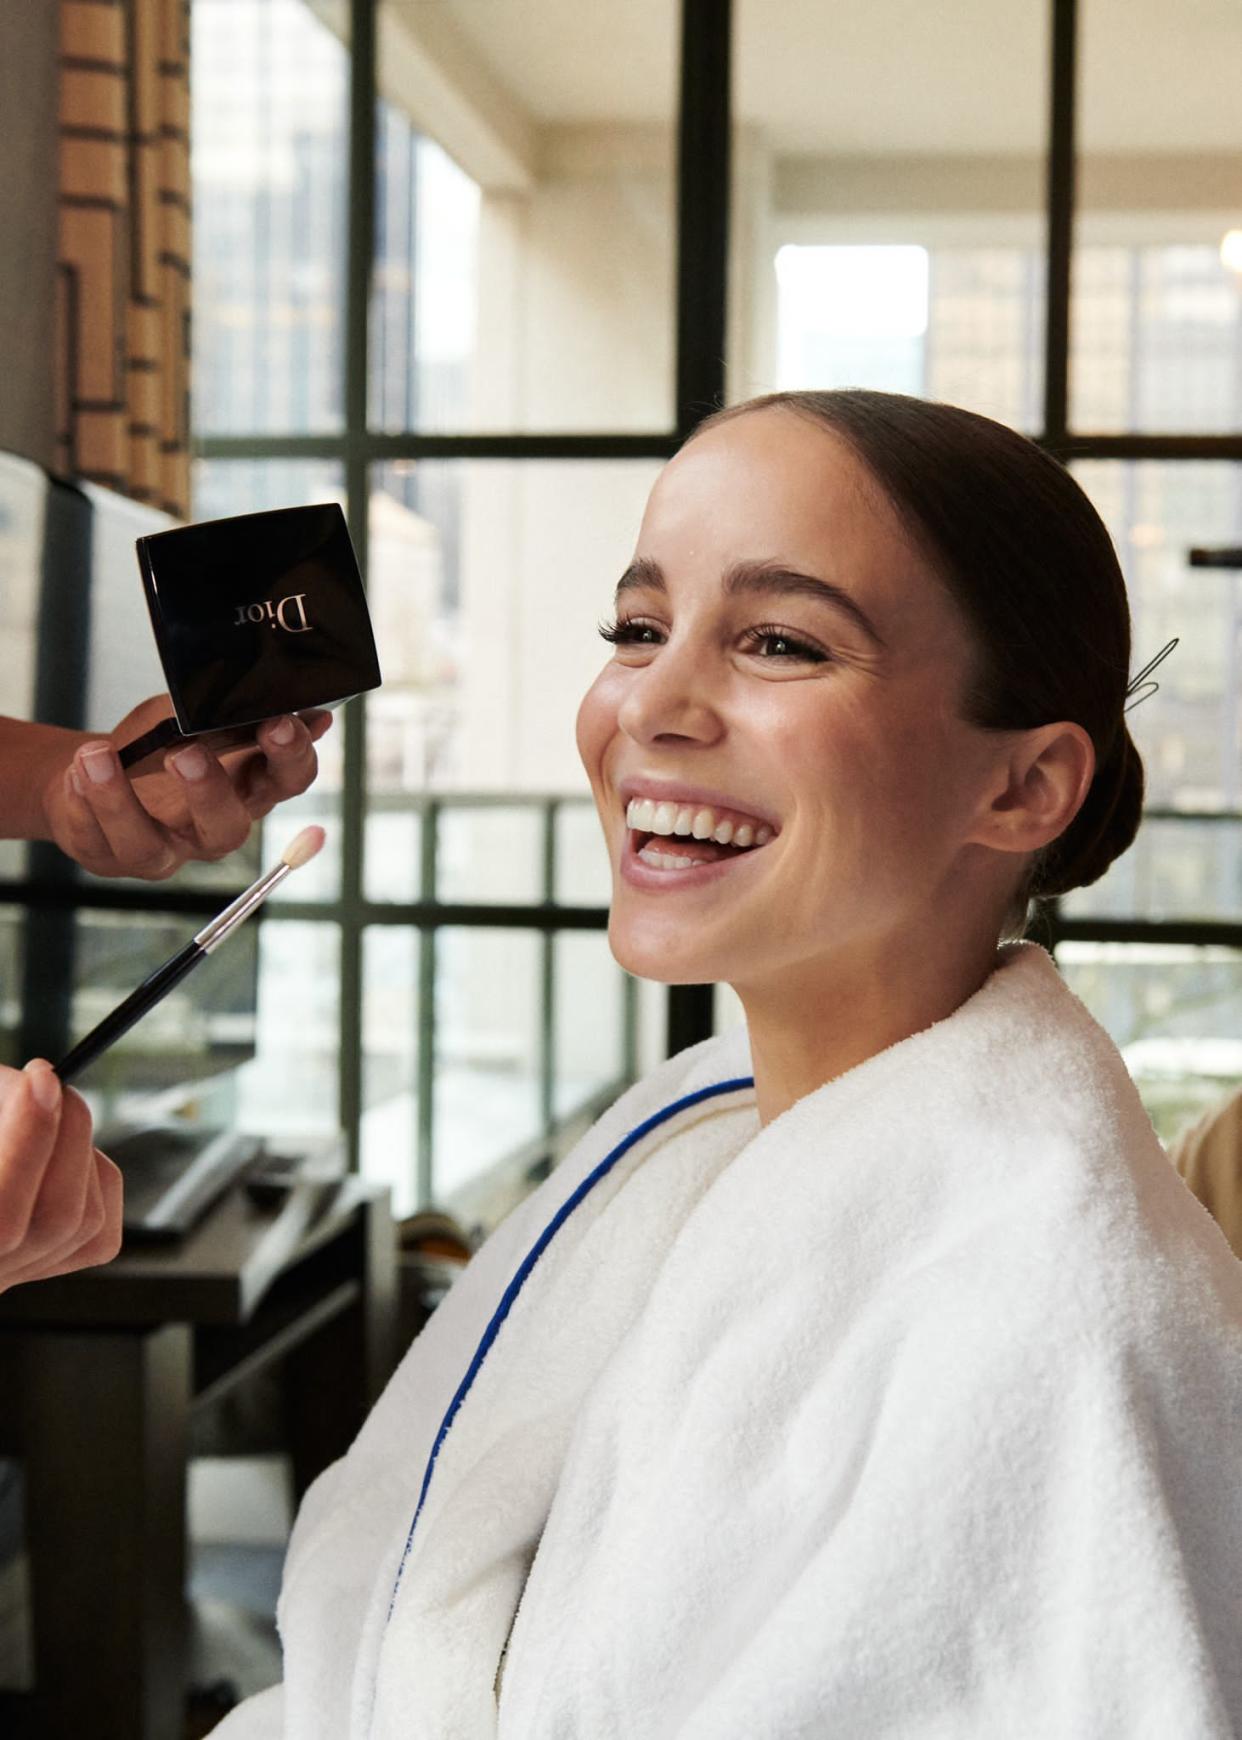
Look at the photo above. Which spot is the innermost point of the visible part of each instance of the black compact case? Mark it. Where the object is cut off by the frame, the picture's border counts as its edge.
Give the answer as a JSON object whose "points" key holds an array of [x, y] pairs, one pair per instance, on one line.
{"points": [[254, 616]]}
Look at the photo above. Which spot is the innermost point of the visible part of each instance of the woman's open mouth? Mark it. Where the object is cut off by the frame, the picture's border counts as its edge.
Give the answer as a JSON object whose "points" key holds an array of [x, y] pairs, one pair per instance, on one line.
{"points": [[669, 843]]}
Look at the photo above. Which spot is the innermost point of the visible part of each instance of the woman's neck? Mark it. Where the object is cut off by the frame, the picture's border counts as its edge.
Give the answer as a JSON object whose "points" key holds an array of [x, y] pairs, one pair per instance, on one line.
{"points": [[839, 1013]]}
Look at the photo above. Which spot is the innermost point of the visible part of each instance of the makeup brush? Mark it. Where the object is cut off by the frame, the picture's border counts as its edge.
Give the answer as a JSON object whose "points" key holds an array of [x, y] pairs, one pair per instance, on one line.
{"points": [[299, 851]]}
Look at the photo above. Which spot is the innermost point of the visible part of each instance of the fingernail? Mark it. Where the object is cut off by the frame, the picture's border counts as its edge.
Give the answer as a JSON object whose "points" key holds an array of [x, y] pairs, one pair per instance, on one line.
{"points": [[281, 731], [98, 762], [190, 763], [74, 781], [44, 1083]]}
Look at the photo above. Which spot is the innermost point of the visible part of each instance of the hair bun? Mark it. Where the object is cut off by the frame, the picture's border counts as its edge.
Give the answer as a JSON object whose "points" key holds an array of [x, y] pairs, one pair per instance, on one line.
{"points": [[1104, 827]]}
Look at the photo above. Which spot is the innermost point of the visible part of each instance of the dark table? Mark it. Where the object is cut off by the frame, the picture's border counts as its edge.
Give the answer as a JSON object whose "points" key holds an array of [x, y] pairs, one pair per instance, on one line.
{"points": [[99, 1372]]}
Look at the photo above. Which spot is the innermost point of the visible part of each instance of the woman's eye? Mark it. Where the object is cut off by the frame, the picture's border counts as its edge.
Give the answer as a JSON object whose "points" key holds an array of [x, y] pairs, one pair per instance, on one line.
{"points": [[784, 646], [629, 632], [765, 641]]}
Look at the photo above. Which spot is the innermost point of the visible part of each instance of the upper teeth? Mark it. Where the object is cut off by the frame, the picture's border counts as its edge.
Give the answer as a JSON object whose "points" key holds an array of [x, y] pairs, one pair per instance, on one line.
{"points": [[703, 823]]}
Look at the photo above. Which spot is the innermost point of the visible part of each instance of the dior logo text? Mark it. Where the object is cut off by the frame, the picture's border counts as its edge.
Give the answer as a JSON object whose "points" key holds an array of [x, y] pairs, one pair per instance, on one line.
{"points": [[288, 613]]}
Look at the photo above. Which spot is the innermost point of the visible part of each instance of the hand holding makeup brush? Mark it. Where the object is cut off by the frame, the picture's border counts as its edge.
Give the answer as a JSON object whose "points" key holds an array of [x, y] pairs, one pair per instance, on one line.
{"points": [[60, 1198], [68, 787]]}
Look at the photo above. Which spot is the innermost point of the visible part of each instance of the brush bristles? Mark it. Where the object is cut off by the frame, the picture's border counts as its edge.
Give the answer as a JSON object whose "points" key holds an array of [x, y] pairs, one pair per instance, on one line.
{"points": [[303, 847]]}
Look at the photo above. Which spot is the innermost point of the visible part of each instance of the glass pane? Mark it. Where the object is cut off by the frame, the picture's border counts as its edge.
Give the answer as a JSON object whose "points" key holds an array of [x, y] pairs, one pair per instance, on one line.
{"points": [[249, 1039], [225, 1047], [1176, 1014], [249, 486], [290, 1086], [205, 1025], [414, 588], [1175, 870], [525, 261], [727, 1010], [269, 163], [888, 201], [583, 875], [1157, 312], [1156, 512], [319, 803], [12, 957], [487, 1052], [490, 854], [394, 849], [390, 1022], [589, 1024], [487, 582]]}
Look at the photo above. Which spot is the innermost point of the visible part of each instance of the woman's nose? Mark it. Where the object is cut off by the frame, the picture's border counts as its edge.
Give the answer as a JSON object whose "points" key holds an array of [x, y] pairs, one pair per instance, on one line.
{"points": [[672, 697]]}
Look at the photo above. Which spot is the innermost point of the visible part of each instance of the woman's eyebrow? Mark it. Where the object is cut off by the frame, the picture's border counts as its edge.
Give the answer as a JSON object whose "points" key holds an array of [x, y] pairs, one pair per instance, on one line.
{"points": [[761, 577]]}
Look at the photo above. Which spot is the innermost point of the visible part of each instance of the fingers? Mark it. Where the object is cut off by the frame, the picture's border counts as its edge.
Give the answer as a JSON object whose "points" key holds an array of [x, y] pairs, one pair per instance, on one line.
{"points": [[63, 1203], [107, 809], [218, 819], [317, 721], [97, 1240], [77, 832], [98, 1236], [61, 1198], [201, 809], [29, 1122], [289, 761], [106, 1243]]}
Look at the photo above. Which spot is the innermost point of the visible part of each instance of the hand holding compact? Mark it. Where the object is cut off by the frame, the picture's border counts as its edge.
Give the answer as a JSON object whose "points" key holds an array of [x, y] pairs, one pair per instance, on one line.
{"points": [[60, 1198], [199, 805]]}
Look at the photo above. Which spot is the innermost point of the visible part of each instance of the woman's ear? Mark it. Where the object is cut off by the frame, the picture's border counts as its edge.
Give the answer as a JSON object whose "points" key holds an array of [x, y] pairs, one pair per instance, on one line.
{"points": [[1043, 780]]}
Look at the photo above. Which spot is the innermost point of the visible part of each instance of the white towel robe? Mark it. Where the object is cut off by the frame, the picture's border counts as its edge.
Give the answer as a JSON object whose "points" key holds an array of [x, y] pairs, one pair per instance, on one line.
{"points": [[917, 1414]]}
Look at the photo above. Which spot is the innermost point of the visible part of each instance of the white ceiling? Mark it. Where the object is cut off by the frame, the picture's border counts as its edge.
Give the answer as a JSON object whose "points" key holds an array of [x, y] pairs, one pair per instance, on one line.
{"points": [[885, 76], [571, 60]]}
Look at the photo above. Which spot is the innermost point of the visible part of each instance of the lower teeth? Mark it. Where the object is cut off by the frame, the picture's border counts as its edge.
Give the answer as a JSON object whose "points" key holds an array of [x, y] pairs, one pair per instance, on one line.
{"points": [[660, 859], [666, 860]]}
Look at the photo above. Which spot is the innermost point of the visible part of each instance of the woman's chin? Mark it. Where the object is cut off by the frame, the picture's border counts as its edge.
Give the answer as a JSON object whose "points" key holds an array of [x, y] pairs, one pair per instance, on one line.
{"points": [[650, 952]]}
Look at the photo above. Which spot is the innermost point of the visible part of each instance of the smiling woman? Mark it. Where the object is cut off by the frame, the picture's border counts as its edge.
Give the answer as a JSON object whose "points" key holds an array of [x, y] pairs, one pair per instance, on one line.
{"points": [[869, 1369], [819, 612]]}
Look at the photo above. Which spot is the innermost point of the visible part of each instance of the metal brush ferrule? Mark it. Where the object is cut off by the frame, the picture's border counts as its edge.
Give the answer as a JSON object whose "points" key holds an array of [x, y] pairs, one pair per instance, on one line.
{"points": [[213, 934]]}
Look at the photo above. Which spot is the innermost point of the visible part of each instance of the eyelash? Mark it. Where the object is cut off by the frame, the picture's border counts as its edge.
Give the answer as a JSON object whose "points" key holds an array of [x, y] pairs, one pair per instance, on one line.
{"points": [[626, 630]]}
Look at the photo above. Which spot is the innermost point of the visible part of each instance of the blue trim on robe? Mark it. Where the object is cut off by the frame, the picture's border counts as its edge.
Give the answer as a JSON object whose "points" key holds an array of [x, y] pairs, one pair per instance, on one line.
{"points": [[528, 1262]]}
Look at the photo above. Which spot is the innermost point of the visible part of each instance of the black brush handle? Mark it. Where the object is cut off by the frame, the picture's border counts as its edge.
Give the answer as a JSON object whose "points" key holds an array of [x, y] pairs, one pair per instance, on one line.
{"points": [[1226, 556], [152, 989], [145, 754], [161, 736]]}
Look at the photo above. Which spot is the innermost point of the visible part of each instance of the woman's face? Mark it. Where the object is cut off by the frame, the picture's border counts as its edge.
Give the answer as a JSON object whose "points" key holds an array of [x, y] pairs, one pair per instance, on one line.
{"points": [[742, 696]]}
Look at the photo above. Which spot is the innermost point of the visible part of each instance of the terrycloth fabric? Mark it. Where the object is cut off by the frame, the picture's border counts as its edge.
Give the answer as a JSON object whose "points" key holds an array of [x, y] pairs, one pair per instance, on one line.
{"points": [[916, 1414]]}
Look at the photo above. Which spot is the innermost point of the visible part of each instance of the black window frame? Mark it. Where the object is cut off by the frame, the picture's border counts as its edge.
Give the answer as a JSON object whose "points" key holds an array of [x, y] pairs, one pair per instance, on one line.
{"points": [[704, 127]]}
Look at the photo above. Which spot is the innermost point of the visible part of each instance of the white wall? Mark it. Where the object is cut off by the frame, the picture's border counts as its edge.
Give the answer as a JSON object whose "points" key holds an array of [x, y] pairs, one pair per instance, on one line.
{"points": [[574, 332]]}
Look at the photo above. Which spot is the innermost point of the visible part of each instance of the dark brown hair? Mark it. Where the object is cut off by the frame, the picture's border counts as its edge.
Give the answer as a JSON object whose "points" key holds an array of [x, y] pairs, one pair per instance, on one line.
{"points": [[1029, 563]]}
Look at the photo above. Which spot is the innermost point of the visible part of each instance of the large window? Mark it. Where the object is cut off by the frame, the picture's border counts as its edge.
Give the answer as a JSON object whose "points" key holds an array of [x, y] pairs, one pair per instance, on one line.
{"points": [[468, 339], [475, 267], [905, 211], [910, 213]]}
